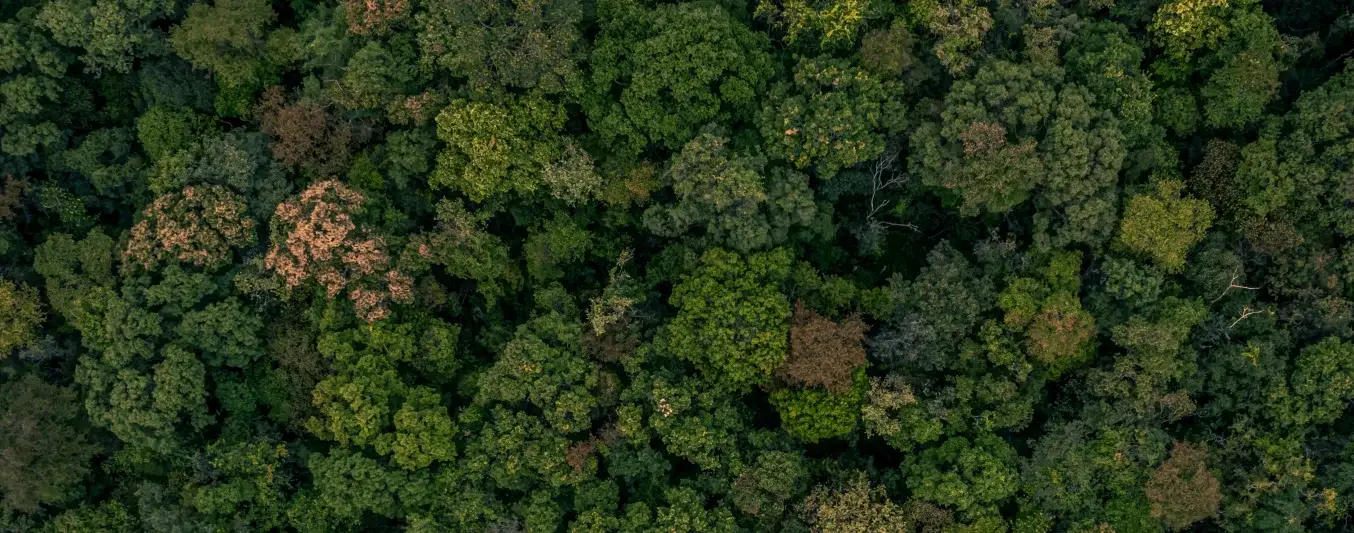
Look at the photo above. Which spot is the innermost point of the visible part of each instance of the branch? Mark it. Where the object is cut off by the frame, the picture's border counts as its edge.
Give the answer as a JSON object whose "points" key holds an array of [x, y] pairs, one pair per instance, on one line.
{"points": [[1231, 284], [1246, 312]]}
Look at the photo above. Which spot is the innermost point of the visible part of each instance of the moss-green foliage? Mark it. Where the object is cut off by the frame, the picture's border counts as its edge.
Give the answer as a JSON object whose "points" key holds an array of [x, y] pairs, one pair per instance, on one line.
{"points": [[658, 266], [676, 67], [833, 116], [1163, 226], [814, 414], [733, 319], [493, 149]]}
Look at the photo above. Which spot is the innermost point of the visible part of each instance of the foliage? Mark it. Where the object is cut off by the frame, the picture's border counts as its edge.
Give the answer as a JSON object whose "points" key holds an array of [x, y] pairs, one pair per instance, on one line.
{"points": [[22, 317], [856, 508], [732, 319], [46, 454], [832, 117], [494, 149], [523, 44], [678, 67], [226, 38], [315, 238], [199, 226], [1182, 491], [1163, 226], [638, 266]]}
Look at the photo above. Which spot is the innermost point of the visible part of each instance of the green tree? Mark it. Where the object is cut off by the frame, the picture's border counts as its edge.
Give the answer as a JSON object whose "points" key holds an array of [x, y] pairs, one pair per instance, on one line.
{"points": [[518, 44], [835, 23], [1321, 382], [814, 414], [733, 320], [984, 146], [21, 319], [113, 34], [1245, 77], [859, 507], [726, 193], [971, 477], [247, 487], [959, 27], [31, 69], [71, 269], [658, 75], [1163, 226], [544, 365], [227, 38], [831, 116], [493, 149], [47, 454]]}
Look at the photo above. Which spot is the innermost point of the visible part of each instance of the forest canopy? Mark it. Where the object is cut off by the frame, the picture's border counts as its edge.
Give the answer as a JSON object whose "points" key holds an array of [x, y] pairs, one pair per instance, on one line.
{"points": [[660, 266]]}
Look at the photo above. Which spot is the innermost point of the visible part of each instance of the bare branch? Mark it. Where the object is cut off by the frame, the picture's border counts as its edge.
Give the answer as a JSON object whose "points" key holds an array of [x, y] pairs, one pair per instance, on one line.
{"points": [[1246, 312], [1231, 284]]}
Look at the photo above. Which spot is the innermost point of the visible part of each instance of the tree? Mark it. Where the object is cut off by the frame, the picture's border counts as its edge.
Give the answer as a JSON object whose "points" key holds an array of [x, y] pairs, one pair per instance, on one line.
{"points": [[859, 507], [378, 76], [303, 134], [71, 268], [836, 23], [246, 485], [765, 487], [544, 365], [726, 193], [226, 38], [493, 149], [933, 312], [832, 116], [959, 27], [823, 353], [46, 453], [112, 34], [464, 247], [1182, 491], [30, 81], [110, 516], [199, 226], [376, 17], [1163, 226], [1246, 73], [497, 45], [558, 244], [163, 131], [315, 238], [984, 146], [969, 476], [676, 68], [733, 320], [21, 319], [814, 414], [1321, 381]]}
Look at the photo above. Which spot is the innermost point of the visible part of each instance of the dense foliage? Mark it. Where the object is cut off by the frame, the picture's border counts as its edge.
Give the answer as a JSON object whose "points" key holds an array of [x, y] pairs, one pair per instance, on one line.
{"points": [[642, 266]]}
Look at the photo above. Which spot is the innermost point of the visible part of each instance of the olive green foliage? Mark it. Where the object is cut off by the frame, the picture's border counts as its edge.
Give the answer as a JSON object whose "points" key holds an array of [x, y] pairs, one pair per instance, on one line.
{"points": [[46, 453], [733, 319], [728, 194], [1163, 226], [677, 67], [227, 38], [523, 44], [969, 477], [495, 149], [832, 117], [22, 317], [660, 266]]}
